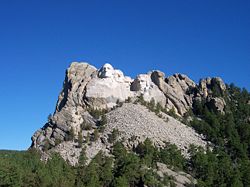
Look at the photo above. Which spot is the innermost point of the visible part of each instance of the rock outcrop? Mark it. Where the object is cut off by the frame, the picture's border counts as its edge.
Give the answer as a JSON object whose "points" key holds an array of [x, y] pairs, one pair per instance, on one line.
{"points": [[176, 89], [181, 178], [76, 79], [212, 86], [211, 90], [108, 88], [86, 89], [144, 86]]}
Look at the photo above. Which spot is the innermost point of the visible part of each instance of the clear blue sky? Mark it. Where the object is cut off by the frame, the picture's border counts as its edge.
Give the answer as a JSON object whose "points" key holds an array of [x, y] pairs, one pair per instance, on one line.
{"points": [[39, 39]]}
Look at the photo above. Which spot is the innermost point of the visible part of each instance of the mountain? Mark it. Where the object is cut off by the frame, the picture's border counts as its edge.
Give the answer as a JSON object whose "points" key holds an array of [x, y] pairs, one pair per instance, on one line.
{"points": [[118, 99], [114, 131], [99, 107]]}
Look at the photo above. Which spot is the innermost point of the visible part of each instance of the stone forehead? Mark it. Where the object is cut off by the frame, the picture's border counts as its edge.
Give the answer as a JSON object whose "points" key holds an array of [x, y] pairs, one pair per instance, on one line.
{"points": [[108, 66], [142, 77]]}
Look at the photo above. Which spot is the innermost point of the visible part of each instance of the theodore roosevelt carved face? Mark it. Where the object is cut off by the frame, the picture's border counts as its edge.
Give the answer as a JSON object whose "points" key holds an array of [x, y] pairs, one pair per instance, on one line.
{"points": [[107, 71], [144, 82]]}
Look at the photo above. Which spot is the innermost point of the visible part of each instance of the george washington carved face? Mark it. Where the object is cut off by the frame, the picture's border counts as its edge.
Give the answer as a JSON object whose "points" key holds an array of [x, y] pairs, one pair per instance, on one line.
{"points": [[107, 71]]}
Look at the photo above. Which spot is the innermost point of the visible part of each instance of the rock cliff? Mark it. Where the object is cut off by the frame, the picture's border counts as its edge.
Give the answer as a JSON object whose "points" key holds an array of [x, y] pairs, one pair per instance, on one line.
{"points": [[93, 97]]}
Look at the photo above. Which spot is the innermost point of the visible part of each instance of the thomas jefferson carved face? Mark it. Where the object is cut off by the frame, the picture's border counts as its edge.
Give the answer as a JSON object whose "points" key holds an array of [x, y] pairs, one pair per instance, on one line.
{"points": [[107, 71]]}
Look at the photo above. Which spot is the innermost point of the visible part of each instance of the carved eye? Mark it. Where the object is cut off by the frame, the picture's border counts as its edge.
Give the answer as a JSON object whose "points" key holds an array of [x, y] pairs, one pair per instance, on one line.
{"points": [[105, 68]]}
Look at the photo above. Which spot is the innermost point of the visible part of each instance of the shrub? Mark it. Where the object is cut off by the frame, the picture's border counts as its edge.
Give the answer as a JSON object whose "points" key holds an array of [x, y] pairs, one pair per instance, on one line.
{"points": [[158, 108], [86, 126], [113, 136], [141, 100], [57, 141], [172, 113], [96, 113], [82, 157], [95, 135], [70, 136], [128, 100], [80, 139], [151, 105], [46, 145], [103, 120], [87, 138]]}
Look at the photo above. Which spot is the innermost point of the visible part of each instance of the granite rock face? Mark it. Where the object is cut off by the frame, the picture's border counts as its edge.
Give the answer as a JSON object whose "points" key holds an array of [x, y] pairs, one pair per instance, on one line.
{"points": [[176, 89], [212, 90], [76, 79], [212, 86], [87, 88], [144, 86], [108, 88], [181, 178]]}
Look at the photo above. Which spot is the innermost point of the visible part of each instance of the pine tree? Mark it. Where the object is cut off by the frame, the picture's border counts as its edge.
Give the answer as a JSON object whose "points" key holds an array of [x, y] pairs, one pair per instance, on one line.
{"points": [[95, 135], [82, 158], [121, 181], [87, 138], [80, 139]]}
